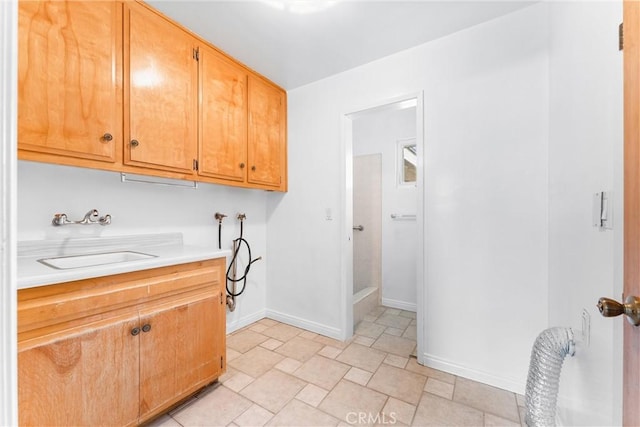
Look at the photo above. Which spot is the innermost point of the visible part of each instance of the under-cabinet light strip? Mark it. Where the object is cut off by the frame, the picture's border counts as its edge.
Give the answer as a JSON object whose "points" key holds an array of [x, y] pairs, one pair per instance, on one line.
{"points": [[158, 181]]}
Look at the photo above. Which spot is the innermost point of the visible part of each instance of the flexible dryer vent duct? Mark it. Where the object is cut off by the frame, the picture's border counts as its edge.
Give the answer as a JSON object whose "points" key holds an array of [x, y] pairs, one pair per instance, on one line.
{"points": [[547, 355]]}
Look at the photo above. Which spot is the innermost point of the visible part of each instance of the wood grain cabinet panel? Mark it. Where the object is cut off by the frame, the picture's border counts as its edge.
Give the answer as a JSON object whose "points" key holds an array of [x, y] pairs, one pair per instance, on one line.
{"points": [[121, 357], [161, 92], [68, 79], [177, 351], [118, 86], [84, 378], [223, 117], [267, 134]]}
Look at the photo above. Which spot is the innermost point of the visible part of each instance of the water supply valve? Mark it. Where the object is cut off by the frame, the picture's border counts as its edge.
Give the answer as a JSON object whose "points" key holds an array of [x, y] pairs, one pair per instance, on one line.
{"points": [[219, 216]]}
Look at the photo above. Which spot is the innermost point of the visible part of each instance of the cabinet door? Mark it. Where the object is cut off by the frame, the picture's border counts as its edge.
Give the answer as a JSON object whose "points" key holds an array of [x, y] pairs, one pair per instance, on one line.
{"points": [[267, 134], [68, 77], [86, 378], [201, 355], [179, 352], [161, 92], [223, 117]]}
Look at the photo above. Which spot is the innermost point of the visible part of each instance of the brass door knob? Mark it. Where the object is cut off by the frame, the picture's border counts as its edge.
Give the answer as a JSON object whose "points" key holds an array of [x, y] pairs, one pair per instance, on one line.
{"points": [[134, 143], [107, 137], [630, 308]]}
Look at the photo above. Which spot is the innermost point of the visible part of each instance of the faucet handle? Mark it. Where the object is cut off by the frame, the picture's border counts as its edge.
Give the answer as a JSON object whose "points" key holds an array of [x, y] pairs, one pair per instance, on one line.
{"points": [[59, 219], [105, 220]]}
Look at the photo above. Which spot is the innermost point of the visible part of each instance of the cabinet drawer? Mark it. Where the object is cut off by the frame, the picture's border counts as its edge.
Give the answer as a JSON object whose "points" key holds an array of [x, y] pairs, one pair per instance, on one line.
{"points": [[48, 309]]}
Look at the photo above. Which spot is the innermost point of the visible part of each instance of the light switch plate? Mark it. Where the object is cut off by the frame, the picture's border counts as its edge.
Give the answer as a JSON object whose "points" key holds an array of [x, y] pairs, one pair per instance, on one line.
{"points": [[328, 214], [602, 210]]}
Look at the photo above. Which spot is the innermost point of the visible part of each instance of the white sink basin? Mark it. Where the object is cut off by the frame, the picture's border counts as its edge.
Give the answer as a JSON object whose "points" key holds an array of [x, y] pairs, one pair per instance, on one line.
{"points": [[92, 260]]}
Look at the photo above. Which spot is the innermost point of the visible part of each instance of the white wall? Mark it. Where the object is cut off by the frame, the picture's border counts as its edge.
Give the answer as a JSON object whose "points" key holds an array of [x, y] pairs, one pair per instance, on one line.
{"points": [[585, 156], [486, 131], [379, 132], [45, 189], [522, 125]]}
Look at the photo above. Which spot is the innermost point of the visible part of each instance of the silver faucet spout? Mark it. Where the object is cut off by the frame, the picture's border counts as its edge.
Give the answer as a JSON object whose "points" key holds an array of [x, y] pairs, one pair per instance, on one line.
{"points": [[90, 217]]}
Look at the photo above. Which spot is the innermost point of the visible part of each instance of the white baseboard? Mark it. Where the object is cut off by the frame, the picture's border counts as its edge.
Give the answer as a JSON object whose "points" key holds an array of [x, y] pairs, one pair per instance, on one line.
{"points": [[473, 374], [309, 325], [402, 305], [240, 323]]}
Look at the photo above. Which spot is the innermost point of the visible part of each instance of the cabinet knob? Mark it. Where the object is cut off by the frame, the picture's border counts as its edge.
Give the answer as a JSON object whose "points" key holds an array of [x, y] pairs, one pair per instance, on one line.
{"points": [[134, 143], [241, 165], [253, 168], [146, 328], [107, 137], [135, 331]]}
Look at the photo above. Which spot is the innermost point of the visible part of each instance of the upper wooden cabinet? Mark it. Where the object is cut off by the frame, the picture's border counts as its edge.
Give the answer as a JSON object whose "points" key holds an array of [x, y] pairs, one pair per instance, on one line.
{"points": [[68, 80], [242, 125], [267, 134], [223, 117], [161, 92], [116, 85]]}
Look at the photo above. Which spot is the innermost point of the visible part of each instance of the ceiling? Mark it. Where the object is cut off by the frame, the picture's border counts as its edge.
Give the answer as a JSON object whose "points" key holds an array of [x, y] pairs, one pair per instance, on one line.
{"points": [[292, 45]]}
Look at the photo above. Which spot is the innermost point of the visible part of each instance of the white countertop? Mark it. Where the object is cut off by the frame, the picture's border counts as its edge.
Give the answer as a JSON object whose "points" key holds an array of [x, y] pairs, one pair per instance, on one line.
{"points": [[168, 249]]}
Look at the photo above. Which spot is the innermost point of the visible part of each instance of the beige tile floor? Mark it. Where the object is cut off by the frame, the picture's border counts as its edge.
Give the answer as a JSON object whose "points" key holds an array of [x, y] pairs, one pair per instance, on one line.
{"points": [[280, 375]]}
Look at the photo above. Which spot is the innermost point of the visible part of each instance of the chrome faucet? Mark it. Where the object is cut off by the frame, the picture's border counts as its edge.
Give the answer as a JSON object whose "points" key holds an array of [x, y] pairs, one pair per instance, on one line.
{"points": [[91, 217]]}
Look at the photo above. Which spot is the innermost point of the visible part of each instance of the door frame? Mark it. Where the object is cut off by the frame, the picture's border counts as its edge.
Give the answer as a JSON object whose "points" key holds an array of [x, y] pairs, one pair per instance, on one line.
{"points": [[346, 249], [8, 216]]}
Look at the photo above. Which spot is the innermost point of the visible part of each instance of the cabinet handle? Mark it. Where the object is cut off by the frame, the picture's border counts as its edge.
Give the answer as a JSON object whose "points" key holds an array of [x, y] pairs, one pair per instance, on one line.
{"points": [[253, 168], [107, 137], [134, 143], [146, 328], [135, 331], [241, 165]]}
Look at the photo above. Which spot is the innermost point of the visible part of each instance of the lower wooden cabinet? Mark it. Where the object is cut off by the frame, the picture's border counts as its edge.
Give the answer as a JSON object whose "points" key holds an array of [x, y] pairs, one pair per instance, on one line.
{"points": [[119, 350]]}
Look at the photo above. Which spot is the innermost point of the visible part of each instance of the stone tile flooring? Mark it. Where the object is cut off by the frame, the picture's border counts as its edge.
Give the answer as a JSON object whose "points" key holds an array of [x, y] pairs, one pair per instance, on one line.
{"points": [[280, 375]]}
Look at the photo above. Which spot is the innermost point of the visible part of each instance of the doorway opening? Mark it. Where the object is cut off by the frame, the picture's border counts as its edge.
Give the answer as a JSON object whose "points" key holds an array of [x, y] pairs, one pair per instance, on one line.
{"points": [[383, 256]]}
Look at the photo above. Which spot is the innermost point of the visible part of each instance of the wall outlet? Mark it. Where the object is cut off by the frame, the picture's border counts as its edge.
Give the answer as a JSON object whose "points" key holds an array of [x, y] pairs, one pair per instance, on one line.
{"points": [[586, 327], [328, 214]]}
